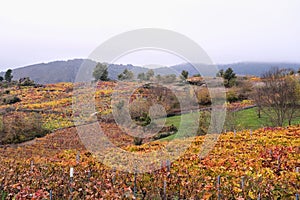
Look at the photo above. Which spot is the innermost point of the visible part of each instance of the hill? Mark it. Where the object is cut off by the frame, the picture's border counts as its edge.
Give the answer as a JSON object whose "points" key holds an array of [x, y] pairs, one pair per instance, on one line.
{"points": [[257, 68], [242, 68], [65, 71]]}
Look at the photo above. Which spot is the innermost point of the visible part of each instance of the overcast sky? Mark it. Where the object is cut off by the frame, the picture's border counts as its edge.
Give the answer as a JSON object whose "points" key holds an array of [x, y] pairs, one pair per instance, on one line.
{"points": [[228, 30]]}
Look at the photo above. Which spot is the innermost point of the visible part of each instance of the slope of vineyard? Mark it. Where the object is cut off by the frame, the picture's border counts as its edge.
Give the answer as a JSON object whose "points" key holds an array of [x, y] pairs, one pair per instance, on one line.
{"points": [[249, 165], [243, 165]]}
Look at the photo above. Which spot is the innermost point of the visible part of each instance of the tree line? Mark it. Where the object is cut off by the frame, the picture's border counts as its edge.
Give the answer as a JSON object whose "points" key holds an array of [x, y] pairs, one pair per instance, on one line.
{"points": [[100, 73]]}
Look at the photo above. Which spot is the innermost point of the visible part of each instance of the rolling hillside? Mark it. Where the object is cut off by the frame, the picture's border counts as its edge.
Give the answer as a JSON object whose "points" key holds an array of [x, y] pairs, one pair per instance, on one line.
{"points": [[65, 71]]}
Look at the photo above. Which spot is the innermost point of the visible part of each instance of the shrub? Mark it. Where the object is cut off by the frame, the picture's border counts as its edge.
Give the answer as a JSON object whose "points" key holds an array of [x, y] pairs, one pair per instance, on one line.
{"points": [[143, 120], [232, 96], [11, 100], [26, 82], [18, 127], [138, 141], [165, 132], [203, 97], [162, 135], [138, 109]]}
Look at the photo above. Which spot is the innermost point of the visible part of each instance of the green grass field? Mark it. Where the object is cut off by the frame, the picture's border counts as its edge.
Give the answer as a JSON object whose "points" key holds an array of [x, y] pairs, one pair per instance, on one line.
{"points": [[244, 119], [185, 122], [248, 118]]}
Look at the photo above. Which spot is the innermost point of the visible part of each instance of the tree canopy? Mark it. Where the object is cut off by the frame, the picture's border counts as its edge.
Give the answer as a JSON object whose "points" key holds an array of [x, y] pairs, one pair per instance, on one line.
{"points": [[126, 75], [141, 76], [8, 75], [184, 74], [149, 74], [228, 75], [101, 72]]}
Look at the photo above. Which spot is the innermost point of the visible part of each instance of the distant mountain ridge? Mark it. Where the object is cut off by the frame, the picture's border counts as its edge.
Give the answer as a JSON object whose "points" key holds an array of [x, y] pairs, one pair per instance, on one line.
{"points": [[243, 68], [66, 71]]}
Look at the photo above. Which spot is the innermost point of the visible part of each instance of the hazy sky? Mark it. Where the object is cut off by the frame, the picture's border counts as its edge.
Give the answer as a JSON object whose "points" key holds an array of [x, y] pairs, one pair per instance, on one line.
{"points": [[228, 30]]}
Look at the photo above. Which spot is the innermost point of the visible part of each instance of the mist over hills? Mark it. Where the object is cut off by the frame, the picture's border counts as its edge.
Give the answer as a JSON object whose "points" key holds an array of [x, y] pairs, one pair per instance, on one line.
{"points": [[66, 71], [243, 68]]}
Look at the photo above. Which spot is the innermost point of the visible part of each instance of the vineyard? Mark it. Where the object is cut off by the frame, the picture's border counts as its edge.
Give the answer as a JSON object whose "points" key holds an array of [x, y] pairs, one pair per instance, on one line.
{"points": [[260, 164], [264, 164]]}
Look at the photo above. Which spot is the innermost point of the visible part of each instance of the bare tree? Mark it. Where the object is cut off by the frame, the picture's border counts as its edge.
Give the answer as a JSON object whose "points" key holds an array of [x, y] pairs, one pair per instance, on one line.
{"points": [[278, 97], [257, 97]]}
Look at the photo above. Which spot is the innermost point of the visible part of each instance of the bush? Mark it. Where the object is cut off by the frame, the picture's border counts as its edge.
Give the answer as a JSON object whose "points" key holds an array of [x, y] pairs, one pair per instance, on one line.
{"points": [[232, 96], [26, 82], [162, 135], [138, 141], [165, 132], [138, 109], [19, 127], [145, 119], [11, 100], [203, 97]]}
